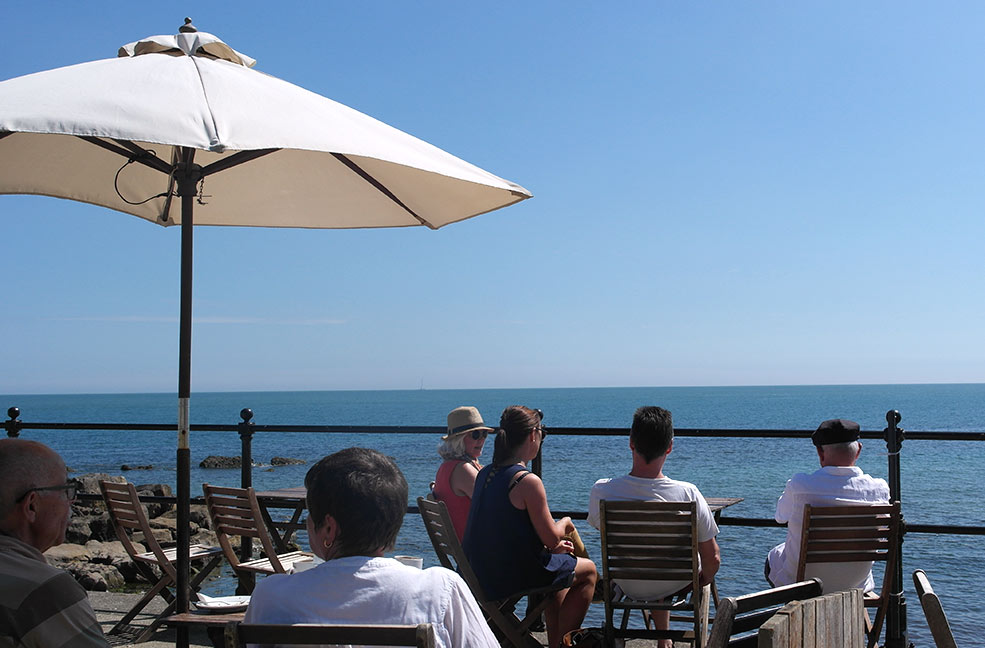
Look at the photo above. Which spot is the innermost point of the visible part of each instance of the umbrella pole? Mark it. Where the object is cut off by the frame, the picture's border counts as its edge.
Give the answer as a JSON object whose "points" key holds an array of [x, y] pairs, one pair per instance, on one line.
{"points": [[187, 174]]}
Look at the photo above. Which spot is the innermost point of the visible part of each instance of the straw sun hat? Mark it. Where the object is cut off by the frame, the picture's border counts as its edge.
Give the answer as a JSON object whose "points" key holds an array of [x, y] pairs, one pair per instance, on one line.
{"points": [[464, 419]]}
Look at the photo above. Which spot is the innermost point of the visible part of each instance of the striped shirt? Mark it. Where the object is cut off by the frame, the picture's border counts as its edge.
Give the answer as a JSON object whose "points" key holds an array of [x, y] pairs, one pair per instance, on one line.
{"points": [[42, 606]]}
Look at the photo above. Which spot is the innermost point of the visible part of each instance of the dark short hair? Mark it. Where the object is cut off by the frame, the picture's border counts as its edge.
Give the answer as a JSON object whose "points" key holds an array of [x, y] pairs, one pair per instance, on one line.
{"points": [[652, 431], [366, 494]]}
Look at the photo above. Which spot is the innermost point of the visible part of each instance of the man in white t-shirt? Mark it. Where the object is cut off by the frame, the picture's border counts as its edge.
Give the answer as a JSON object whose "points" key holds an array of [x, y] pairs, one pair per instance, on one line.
{"points": [[839, 481], [651, 440]]}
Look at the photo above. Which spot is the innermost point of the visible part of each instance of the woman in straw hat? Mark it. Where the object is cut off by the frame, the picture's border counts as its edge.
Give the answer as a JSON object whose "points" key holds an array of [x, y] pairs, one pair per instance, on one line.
{"points": [[512, 541], [460, 449]]}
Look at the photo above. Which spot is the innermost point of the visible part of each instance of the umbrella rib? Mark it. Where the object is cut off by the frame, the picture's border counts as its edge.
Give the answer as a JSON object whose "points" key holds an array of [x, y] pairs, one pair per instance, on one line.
{"points": [[376, 183], [234, 160], [139, 155]]}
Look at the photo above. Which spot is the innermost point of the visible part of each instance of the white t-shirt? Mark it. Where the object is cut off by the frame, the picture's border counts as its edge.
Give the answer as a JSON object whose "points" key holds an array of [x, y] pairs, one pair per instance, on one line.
{"points": [[364, 590], [829, 486], [644, 489]]}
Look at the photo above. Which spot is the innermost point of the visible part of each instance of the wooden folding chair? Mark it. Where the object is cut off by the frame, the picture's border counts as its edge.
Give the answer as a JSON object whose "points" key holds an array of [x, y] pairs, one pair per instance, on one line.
{"points": [[235, 512], [652, 541], [128, 516], [501, 615], [238, 634], [852, 534], [737, 619], [940, 629]]}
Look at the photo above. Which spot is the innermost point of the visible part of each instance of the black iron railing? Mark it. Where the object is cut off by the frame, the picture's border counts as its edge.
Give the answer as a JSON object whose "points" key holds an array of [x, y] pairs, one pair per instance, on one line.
{"points": [[893, 435]]}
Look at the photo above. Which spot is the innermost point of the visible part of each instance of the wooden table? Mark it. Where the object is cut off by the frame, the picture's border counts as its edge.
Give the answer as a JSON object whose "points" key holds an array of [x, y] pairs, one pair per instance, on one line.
{"points": [[214, 624], [719, 504]]}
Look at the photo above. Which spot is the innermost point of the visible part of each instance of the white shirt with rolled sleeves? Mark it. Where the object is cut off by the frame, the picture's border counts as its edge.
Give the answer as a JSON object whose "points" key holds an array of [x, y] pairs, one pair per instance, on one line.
{"points": [[364, 590], [645, 489], [829, 486]]}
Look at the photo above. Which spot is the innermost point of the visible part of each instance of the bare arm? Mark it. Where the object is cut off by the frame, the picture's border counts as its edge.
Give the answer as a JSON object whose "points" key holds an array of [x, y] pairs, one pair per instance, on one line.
{"points": [[529, 494], [711, 560], [463, 479]]}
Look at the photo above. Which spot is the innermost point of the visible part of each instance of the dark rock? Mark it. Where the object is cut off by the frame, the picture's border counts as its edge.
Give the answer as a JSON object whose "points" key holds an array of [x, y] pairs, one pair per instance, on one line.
{"points": [[78, 531], [129, 467], [286, 461], [96, 577], [215, 461], [200, 516], [155, 509], [101, 527]]}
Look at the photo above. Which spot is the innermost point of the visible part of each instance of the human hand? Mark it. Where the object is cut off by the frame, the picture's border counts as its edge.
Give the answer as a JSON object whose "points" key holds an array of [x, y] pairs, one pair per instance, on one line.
{"points": [[568, 525], [564, 546]]}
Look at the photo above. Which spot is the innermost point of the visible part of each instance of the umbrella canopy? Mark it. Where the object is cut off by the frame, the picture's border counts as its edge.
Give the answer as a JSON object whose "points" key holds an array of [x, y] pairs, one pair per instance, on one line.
{"points": [[329, 166], [186, 117]]}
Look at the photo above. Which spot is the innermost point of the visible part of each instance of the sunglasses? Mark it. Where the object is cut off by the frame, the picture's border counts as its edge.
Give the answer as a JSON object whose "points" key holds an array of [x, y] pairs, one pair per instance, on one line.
{"points": [[71, 490], [479, 434]]}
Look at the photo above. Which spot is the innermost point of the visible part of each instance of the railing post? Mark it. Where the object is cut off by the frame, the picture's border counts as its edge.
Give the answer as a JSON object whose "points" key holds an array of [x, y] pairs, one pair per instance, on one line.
{"points": [[13, 425], [246, 439], [896, 635], [245, 428]]}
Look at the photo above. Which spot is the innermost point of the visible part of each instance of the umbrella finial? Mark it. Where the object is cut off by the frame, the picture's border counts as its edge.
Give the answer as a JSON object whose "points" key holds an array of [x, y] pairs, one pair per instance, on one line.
{"points": [[188, 27]]}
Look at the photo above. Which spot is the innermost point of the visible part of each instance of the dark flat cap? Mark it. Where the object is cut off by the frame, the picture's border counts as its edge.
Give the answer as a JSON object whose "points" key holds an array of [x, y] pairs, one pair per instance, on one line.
{"points": [[835, 431]]}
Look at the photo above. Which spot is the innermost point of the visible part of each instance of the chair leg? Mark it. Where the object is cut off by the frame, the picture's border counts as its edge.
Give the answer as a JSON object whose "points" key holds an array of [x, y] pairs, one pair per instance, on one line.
{"points": [[141, 604]]}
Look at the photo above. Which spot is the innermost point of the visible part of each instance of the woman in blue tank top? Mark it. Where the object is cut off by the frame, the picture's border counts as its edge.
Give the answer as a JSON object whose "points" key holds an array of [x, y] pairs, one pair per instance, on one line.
{"points": [[512, 541]]}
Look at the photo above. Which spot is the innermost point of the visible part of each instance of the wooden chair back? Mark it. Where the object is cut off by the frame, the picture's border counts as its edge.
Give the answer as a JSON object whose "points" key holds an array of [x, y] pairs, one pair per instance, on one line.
{"points": [[235, 512], [500, 614], [737, 619], [940, 629], [238, 634], [128, 517], [863, 533], [651, 541]]}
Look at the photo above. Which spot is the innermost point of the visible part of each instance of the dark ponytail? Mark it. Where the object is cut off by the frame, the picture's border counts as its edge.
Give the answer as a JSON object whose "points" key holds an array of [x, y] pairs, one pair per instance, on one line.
{"points": [[515, 424]]}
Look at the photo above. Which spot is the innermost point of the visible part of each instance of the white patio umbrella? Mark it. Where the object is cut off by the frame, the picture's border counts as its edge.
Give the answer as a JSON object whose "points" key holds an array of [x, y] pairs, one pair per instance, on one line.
{"points": [[185, 116]]}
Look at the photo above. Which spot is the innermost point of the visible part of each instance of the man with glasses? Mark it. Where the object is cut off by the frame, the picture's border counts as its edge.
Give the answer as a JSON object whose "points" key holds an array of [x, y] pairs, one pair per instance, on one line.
{"points": [[40, 605]]}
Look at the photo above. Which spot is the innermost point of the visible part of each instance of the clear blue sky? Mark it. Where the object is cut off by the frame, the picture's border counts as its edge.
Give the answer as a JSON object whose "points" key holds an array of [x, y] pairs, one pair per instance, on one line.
{"points": [[728, 193]]}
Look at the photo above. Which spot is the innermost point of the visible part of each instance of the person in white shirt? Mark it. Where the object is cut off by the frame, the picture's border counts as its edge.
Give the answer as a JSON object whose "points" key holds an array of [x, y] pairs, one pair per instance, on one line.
{"points": [[651, 440], [839, 481], [357, 499]]}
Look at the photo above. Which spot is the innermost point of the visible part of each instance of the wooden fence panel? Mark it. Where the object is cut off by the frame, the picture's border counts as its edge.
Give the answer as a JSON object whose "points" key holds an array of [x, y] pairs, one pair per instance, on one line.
{"points": [[830, 620]]}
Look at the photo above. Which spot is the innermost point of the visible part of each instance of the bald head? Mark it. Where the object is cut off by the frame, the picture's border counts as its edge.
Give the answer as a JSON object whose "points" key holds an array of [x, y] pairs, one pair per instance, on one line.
{"points": [[24, 465]]}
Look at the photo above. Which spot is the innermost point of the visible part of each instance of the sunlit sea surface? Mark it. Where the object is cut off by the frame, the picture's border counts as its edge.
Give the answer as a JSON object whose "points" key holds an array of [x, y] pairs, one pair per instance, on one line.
{"points": [[941, 481]]}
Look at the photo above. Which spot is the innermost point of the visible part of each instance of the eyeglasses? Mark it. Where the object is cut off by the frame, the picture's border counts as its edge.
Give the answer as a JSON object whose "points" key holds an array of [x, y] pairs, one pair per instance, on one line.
{"points": [[543, 432], [479, 434], [71, 490]]}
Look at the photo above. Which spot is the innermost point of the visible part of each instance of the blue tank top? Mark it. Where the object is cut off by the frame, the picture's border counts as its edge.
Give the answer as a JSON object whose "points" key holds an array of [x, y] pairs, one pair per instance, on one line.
{"points": [[500, 542]]}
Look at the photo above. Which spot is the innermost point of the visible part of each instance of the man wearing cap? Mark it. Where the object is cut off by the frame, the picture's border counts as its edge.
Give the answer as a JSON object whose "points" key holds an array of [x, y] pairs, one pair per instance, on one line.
{"points": [[839, 481], [40, 605], [460, 449]]}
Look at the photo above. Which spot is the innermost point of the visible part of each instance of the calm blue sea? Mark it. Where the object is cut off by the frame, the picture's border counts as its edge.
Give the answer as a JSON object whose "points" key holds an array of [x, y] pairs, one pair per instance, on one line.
{"points": [[941, 481]]}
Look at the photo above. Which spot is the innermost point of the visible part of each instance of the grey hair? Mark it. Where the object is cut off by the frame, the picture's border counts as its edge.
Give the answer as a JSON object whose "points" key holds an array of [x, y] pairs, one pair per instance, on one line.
{"points": [[846, 451], [24, 465], [453, 447], [848, 447]]}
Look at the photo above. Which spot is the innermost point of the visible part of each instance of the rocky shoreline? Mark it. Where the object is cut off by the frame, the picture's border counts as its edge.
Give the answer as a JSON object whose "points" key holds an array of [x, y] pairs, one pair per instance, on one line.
{"points": [[94, 555]]}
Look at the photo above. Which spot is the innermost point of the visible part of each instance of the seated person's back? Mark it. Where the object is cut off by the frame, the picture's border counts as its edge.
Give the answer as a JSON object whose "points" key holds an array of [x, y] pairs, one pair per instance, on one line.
{"points": [[838, 482], [651, 440], [357, 499]]}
